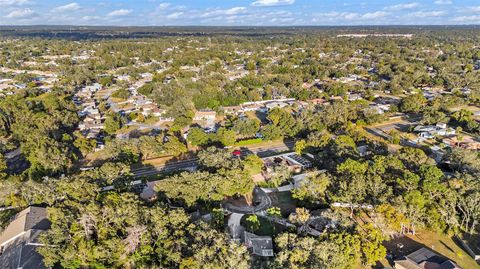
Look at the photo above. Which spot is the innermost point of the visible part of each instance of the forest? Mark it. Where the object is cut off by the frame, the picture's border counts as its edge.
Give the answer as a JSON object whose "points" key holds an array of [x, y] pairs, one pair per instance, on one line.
{"points": [[95, 226]]}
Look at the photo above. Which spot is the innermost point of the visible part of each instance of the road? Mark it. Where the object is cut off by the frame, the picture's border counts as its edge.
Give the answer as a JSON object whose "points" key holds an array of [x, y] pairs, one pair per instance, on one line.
{"points": [[261, 202], [190, 164]]}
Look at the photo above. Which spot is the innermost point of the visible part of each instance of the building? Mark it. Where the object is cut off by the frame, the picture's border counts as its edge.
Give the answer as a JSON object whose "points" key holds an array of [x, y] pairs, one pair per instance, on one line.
{"points": [[259, 245], [19, 240], [207, 115], [232, 110], [425, 259]]}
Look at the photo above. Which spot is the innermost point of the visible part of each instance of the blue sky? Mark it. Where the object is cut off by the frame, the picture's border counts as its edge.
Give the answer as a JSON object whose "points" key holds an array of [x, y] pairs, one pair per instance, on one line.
{"points": [[239, 12]]}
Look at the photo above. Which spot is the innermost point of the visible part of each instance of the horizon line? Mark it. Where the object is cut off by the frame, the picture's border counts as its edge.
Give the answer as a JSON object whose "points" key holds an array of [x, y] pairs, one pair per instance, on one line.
{"points": [[244, 26]]}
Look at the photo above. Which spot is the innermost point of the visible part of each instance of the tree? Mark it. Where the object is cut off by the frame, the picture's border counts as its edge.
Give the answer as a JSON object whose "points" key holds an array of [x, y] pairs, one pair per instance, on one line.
{"points": [[274, 212], [226, 137], [350, 246], [3, 167], [85, 145], [253, 224], [123, 94], [150, 147], [112, 123], [372, 245], [211, 250], [271, 132], [301, 216], [464, 160], [300, 146], [413, 103], [351, 183], [246, 127], [218, 158], [283, 120], [174, 146], [253, 164], [294, 252], [197, 137], [312, 188]]}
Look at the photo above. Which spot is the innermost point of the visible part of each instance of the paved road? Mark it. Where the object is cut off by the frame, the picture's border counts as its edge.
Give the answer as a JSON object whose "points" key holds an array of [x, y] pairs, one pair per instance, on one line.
{"points": [[190, 164], [261, 200], [236, 229]]}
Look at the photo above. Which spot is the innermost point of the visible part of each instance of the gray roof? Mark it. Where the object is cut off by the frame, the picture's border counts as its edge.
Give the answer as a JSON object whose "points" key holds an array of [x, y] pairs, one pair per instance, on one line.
{"points": [[425, 258], [19, 240], [260, 245]]}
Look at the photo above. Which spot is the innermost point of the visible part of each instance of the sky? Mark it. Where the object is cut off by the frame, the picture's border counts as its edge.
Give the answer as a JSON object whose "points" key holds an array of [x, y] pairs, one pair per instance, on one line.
{"points": [[238, 12]]}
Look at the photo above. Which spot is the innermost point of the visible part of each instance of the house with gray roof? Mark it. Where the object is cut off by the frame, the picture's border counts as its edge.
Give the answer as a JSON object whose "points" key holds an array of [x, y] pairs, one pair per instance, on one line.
{"points": [[19, 240], [259, 245], [425, 259]]}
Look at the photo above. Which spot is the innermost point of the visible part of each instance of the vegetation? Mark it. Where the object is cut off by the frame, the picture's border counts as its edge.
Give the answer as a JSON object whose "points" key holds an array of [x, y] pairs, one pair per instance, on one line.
{"points": [[98, 219]]}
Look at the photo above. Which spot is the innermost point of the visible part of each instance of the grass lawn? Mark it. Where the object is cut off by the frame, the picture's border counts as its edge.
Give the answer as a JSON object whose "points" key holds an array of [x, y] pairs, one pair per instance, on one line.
{"points": [[284, 201], [443, 244], [267, 228], [248, 142]]}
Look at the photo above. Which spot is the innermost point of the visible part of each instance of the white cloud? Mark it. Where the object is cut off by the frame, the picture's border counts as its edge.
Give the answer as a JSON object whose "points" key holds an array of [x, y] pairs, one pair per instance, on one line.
{"points": [[21, 14], [221, 12], [402, 6], [426, 14], [119, 13], [342, 17], [374, 15], [474, 19], [443, 2], [67, 8], [175, 15], [163, 6], [235, 10], [272, 3], [472, 9], [10, 3]]}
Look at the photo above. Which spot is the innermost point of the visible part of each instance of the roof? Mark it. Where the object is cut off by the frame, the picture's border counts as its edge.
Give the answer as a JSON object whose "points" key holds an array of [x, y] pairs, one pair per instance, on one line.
{"points": [[19, 240], [425, 259], [31, 218], [260, 245]]}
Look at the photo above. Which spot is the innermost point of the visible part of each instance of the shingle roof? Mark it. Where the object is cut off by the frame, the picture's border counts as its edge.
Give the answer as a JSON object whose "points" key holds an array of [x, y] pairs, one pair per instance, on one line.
{"points": [[425, 258], [19, 240]]}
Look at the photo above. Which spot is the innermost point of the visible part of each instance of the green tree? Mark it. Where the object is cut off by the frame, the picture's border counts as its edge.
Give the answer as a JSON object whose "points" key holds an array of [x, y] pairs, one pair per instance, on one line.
{"points": [[372, 245], [226, 137], [300, 146], [253, 224], [112, 123], [3, 167], [197, 137], [413, 103], [313, 188], [174, 146], [271, 132], [253, 164]]}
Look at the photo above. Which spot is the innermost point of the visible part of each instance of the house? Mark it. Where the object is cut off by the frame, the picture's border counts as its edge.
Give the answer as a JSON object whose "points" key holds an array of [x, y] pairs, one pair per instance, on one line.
{"points": [[354, 96], [318, 101], [19, 240], [466, 142], [430, 131], [273, 105], [259, 245], [425, 259], [232, 110], [207, 115]]}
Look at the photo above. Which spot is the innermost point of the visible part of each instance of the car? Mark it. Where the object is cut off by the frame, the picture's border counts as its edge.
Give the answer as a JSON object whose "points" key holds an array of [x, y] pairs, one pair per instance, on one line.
{"points": [[237, 153]]}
